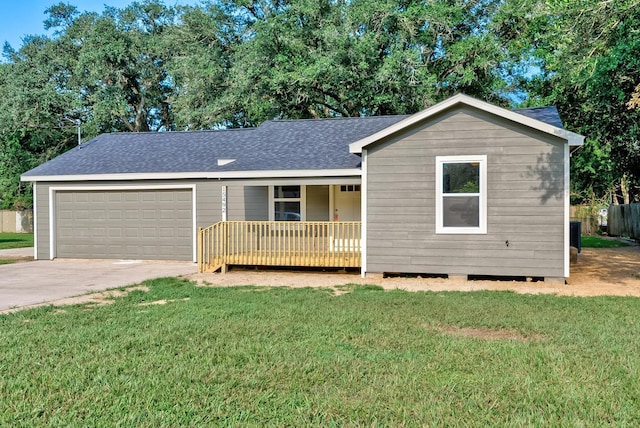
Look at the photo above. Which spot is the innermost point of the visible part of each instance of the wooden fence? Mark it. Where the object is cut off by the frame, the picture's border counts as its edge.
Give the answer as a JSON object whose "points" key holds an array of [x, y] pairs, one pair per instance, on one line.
{"points": [[16, 221], [624, 220], [279, 243]]}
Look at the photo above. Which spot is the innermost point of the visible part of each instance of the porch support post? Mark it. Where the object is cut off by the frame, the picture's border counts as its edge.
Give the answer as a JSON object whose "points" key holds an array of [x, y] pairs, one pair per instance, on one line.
{"points": [[332, 202]]}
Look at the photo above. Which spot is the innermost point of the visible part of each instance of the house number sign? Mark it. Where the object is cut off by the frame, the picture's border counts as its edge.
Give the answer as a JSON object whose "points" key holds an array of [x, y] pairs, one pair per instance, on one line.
{"points": [[224, 203]]}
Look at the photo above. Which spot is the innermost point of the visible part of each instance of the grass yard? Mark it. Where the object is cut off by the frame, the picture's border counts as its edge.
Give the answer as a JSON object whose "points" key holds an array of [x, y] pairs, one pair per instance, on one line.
{"points": [[599, 242], [15, 240], [248, 356]]}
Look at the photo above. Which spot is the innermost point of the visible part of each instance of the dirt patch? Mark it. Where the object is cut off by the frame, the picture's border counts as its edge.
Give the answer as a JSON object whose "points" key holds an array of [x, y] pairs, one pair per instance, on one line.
{"points": [[17, 259], [162, 302], [611, 271], [91, 300], [599, 271], [99, 299], [488, 334]]}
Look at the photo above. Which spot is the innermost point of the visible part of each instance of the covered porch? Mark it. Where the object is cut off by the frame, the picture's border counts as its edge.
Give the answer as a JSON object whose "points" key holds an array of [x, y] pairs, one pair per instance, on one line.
{"points": [[298, 222], [334, 244]]}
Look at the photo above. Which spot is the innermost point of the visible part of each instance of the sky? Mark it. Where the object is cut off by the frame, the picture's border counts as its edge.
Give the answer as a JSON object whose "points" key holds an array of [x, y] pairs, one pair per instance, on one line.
{"points": [[19, 18]]}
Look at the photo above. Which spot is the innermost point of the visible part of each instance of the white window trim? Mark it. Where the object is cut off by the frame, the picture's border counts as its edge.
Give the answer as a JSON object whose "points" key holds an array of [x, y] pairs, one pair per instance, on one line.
{"points": [[482, 228], [302, 199]]}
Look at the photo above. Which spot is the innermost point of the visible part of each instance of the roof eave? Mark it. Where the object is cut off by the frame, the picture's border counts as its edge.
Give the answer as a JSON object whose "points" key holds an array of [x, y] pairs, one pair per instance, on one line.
{"points": [[572, 138], [220, 175]]}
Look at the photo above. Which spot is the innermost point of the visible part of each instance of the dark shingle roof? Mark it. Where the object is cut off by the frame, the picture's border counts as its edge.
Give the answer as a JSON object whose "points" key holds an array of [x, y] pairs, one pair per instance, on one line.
{"points": [[548, 115], [274, 145]]}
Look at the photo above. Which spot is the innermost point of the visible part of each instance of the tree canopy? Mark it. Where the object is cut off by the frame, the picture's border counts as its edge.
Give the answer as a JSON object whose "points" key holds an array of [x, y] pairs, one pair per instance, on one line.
{"points": [[237, 63], [587, 54]]}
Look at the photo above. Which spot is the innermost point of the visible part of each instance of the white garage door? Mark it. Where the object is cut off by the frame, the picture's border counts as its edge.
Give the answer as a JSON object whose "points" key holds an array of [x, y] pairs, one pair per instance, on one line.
{"points": [[124, 224]]}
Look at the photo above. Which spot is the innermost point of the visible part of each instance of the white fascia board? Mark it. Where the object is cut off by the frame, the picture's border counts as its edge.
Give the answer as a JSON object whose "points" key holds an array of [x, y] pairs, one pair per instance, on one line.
{"points": [[292, 173], [572, 138]]}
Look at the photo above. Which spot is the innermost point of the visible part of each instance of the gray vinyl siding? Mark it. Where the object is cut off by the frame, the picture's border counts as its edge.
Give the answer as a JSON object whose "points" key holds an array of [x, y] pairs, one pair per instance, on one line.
{"points": [[247, 203], [525, 200], [318, 203], [42, 221], [208, 202]]}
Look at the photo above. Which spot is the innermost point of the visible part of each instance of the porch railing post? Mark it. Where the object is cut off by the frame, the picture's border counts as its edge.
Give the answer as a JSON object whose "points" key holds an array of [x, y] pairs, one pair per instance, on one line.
{"points": [[199, 254]]}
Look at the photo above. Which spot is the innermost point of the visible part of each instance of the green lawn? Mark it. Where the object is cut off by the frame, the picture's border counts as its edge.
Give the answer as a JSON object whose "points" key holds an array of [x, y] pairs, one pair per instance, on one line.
{"points": [[249, 356], [15, 240], [599, 242]]}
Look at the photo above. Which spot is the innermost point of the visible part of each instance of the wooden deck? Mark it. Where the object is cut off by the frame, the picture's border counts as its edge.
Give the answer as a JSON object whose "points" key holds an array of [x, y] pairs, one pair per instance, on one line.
{"points": [[279, 243]]}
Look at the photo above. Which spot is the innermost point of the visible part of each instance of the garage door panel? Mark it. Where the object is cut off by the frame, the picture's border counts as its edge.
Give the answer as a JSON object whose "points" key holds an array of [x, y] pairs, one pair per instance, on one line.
{"points": [[183, 197], [97, 197], [152, 197], [149, 232], [81, 214], [98, 232], [167, 197], [64, 197], [182, 231], [114, 215], [140, 224], [149, 214], [114, 232], [131, 214], [131, 232], [81, 197], [64, 232], [65, 215], [167, 214], [183, 214], [114, 196], [166, 232]]}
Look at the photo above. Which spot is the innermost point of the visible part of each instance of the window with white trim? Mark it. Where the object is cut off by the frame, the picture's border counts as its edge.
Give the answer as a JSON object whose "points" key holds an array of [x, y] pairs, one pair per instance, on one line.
{"points": [[461, 194], [287, 203]]}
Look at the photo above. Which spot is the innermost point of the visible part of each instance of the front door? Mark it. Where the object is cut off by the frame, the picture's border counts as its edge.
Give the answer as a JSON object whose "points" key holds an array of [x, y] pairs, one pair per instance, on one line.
{"points": [[347, 202]]}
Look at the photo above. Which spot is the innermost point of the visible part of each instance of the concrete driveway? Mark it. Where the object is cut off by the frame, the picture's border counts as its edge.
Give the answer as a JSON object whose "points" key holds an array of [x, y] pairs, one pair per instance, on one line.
{"points": [[34, 282]]}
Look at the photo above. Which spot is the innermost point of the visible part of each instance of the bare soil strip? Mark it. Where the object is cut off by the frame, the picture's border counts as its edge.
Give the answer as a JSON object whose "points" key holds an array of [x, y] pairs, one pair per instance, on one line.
{"points": [[599, 272]]}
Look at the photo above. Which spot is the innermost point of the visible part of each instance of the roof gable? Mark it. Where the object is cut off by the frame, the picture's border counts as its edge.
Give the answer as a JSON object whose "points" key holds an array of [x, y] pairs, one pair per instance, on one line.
{"points": [[532, 118]]}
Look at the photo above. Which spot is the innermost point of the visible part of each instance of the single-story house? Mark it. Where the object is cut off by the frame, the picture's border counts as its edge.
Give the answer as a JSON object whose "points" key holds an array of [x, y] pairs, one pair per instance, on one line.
{"points": [[461, 188]]}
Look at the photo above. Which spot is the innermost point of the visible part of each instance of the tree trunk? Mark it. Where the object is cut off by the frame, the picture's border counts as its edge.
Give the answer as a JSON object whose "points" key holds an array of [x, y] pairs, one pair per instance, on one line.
{"points": [[624, 188]]}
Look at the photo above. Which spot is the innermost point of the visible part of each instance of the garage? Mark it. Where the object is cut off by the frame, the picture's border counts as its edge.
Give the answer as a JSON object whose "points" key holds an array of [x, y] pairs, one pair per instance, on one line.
{"points": [[144, 224]]}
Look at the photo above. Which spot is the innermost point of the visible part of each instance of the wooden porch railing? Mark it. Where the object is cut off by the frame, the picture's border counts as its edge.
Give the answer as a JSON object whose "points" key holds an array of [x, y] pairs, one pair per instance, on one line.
{"points": [[279, 243]]}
